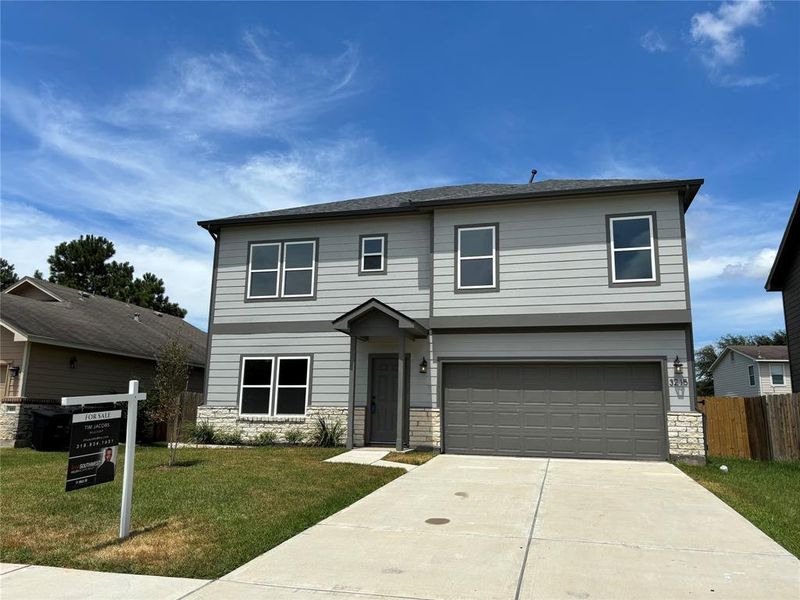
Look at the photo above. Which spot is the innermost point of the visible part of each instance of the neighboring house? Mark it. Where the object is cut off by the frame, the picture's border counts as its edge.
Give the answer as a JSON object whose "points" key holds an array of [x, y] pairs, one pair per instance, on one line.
{"points": [[751, 371], [57, 341], [545, 319], [785, 277]]}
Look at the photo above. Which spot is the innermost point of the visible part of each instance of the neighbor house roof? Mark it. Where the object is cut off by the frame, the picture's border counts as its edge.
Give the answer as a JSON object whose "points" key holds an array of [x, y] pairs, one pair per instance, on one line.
{"points": [[80, 320], [757, 353], [426, 199], [788, 251]]}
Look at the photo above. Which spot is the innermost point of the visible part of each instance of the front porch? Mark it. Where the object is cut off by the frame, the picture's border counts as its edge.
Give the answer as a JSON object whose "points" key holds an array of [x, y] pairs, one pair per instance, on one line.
{"points": [[388, 366]]}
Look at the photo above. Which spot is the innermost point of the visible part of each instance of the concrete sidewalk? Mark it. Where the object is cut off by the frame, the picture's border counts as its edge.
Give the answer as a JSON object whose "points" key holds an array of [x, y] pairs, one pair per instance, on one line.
{"points": [[31, 582], [369, 456]]}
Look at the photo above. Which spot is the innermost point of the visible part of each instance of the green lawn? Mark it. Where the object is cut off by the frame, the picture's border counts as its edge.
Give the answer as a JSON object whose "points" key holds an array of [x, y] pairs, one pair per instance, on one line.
{"points": [[413, 457], [217, 510], [766, 493]]}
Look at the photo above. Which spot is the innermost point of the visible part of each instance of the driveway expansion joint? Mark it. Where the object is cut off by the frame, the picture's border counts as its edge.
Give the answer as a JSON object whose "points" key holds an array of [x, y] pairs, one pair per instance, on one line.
{"points": [[530, 534]]}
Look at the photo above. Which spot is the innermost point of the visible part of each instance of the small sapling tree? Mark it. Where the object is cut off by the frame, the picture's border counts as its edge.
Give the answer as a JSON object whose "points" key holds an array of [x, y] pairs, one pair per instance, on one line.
{"points": [[169, 383]]}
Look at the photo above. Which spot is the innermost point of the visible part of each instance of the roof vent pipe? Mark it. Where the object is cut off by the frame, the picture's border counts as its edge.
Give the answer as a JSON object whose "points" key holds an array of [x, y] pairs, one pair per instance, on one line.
{"points": [[136, 317], [533, 174]]}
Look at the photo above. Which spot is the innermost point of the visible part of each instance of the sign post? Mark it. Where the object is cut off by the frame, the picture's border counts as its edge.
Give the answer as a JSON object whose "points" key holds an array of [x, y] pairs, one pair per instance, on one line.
{"points": [[132, 398]]}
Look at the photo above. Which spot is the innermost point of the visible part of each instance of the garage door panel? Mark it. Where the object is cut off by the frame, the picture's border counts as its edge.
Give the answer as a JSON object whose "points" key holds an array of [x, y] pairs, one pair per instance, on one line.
{"points": [[588, 410]]}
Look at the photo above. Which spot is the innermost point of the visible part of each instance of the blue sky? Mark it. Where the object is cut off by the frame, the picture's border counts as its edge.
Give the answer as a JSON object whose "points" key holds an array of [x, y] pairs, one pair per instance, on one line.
{"points": [[135, 120]]}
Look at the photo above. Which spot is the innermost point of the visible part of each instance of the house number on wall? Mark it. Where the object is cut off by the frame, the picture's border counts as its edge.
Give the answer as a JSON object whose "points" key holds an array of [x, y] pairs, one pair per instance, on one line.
{"points": [[678, 382]]}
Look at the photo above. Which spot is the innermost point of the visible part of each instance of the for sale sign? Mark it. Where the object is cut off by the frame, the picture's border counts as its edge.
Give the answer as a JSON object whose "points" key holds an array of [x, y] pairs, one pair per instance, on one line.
{"points": [[93, 448]]}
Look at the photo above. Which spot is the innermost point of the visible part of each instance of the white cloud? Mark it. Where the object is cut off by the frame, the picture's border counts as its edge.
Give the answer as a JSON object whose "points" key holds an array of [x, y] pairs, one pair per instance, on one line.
{"points": [[718, 33], [653, 42], [720, 42], [264, 90], [142, 170]]}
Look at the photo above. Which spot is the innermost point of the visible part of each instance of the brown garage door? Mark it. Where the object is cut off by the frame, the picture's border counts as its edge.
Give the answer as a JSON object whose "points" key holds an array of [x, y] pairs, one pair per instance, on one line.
{"points": [[569, 410]]}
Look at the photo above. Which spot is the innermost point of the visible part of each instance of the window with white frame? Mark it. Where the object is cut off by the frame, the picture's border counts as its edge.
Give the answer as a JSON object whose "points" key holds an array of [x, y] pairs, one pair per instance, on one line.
{"points": [[632, 248], [776, 373], [281, 269], [291, 394], [476, 257], [255, 395], [751, 373], [373, 254], [274, 386], [298, 269]]}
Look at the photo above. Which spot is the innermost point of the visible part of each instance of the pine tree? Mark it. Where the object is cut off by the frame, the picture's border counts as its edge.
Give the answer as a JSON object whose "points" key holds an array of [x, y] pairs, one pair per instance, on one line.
{"points": [[8, 276], [85, 264]]}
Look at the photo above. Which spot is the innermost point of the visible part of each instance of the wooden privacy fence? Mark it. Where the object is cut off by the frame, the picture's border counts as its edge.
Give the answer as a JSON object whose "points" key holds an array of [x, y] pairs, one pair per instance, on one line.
{"points": [[762, 428], [189, 403]]}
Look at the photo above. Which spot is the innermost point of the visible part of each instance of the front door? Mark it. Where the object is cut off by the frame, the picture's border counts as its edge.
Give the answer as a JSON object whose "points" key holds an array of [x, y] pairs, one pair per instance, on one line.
{"points": [[383, 400]]}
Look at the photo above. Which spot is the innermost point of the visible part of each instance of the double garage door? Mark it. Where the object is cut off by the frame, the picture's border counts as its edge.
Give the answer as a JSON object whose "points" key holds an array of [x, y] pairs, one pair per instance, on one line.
{"points": [[568, 410]]}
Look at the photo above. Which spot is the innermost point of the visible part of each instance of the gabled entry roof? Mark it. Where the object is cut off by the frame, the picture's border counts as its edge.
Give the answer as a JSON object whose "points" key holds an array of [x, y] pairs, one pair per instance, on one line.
{"points": [[375, 313]]}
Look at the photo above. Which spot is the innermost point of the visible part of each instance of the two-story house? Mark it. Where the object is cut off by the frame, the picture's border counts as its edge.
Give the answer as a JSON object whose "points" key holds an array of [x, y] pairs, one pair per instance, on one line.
{"points": [[542, 319]]}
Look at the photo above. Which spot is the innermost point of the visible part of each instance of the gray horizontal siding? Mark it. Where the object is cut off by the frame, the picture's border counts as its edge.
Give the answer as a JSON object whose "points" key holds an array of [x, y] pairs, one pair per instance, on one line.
{"points": [[565, 345], [731, 377], [553, 258], [331, 352], [406, 286]]}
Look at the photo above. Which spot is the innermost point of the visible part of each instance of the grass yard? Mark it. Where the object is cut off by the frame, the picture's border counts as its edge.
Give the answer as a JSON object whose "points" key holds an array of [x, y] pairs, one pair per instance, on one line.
{"points": [[414, 457], [766, 493], [217, 510]]}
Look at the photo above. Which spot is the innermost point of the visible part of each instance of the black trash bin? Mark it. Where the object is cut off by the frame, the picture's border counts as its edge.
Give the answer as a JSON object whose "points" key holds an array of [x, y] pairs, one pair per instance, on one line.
{"points": [[50, 429]]}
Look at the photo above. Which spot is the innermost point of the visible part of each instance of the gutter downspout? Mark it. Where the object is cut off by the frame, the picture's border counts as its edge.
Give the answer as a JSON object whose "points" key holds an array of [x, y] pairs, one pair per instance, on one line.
{"points": [[211, 302]]}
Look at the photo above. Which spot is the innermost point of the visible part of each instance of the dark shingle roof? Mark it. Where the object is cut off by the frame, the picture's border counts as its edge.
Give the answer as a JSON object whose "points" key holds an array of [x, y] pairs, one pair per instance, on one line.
{"points": [[763, 352], [97, 323], [788, 251], [416, 200]]}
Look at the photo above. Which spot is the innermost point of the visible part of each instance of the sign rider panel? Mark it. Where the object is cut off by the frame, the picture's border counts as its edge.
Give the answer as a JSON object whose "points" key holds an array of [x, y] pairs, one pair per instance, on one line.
{"points": [[93, 448]]}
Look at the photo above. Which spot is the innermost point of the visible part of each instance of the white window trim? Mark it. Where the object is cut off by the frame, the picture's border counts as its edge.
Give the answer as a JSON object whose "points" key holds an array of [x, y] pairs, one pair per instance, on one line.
{"points": [[277, 270], [751, 374], [771, 374], [651, 248], [312, 268], [272, 403], [242, 385], [493, 256], [364, 253], [278, 386]]}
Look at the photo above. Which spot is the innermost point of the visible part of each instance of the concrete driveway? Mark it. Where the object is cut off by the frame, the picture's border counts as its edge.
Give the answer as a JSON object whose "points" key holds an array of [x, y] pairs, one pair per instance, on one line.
{"points": [[476, 527]]}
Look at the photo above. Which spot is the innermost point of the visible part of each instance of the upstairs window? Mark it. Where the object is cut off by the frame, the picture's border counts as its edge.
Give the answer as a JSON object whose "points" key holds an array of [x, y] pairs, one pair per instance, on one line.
{"points": [[776, 372], [632, 249], [373, 254], [281, 270], [476, 257], [751, 374]]}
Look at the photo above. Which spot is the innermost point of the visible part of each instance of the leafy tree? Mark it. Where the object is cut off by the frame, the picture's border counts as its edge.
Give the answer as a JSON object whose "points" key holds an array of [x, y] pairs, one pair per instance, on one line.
{"points": [[37, 274], [704, 357], [86, 264], [8, 276], [169, 383], [82, 264]]}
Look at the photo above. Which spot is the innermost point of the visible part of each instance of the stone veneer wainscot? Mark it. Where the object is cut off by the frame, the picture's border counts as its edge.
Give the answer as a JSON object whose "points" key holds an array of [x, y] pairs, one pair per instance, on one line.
{"points": [[686, 437]]}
